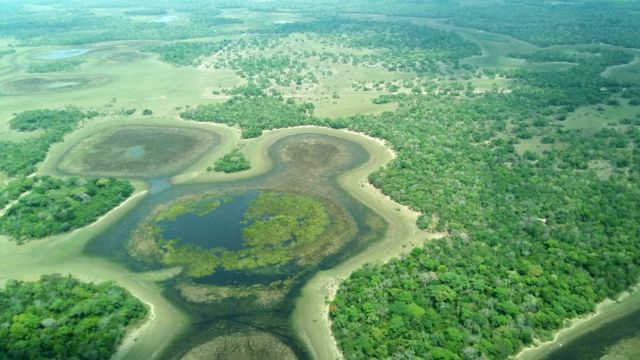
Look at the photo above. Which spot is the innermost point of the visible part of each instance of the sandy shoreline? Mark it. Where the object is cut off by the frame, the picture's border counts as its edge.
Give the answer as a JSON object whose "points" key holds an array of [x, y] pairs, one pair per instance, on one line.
{"points": [[134, 333], [607, 310]]}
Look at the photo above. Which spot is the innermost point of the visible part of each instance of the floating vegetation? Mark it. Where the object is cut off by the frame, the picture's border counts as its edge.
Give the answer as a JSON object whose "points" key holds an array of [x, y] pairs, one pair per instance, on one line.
{"points": [[234, 161], [199, 207], [249, 344], [262, 295], [276, 230]]}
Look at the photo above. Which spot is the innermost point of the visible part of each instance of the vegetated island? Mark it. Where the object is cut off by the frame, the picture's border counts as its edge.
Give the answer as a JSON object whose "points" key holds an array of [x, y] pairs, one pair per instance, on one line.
{"points": [[43, 206], [59, 317], [35, 207], [281, 229], [234, 161]]}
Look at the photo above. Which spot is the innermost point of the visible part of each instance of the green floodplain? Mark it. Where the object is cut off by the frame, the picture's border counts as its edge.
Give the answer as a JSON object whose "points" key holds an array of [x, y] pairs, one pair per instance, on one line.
{"points": [[277, 180]]}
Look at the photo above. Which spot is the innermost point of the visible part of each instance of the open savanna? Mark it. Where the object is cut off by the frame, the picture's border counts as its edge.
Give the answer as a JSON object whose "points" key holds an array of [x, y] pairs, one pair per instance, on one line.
{"points": [[128, 79], [333, 94]]}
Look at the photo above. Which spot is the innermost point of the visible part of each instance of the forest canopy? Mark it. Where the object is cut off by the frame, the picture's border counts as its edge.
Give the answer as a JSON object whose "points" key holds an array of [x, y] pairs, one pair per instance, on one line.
{"points": [[21, 158], [44, 206], [59, 317]]}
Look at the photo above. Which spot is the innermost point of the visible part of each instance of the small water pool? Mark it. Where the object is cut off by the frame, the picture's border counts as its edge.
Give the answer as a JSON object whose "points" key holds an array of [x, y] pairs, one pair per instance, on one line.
{"points": [[164, 19], [135, 152], [62, 84], [63, 54]]}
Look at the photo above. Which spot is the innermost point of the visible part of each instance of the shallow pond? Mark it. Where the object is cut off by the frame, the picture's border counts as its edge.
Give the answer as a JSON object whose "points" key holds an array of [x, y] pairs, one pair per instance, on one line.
{"points": [[63, 54], [165, 19], [62, 84], [30, 85], [135, 152]]}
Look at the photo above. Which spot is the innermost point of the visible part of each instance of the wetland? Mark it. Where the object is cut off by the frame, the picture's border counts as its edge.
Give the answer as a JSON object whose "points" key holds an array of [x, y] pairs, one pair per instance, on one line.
{"points": [[138, 151], [243, 248]]}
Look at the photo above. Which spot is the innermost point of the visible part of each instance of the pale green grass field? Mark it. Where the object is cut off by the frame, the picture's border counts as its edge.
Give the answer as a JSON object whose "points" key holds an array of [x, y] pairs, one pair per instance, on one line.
{"points": [[590, 118], [625, 73], [133, 79]]}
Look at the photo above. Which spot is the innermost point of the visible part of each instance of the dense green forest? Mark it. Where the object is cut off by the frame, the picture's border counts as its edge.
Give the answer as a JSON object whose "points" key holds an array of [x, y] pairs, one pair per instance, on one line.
{"points": [[582, 22], [253, 114], [187, 53], [21, 158], [59, 317], [536, 237], [401, 47], [540, 230], [54, 66], [46, 206]]}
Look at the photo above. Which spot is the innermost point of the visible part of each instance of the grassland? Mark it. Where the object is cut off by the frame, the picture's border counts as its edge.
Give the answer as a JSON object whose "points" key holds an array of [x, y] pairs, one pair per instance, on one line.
{"points": [[115, 76], [594, 118]]}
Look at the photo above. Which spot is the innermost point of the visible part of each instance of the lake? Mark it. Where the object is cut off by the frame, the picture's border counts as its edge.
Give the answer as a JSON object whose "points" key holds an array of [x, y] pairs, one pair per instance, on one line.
{"points": [[221, 228], [165, 19]]}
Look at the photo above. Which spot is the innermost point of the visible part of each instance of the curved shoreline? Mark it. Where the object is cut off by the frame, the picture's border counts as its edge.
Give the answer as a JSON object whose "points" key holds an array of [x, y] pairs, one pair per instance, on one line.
{"points": [[58, 151], [128, 341], [606, 311], [311, 313]]}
